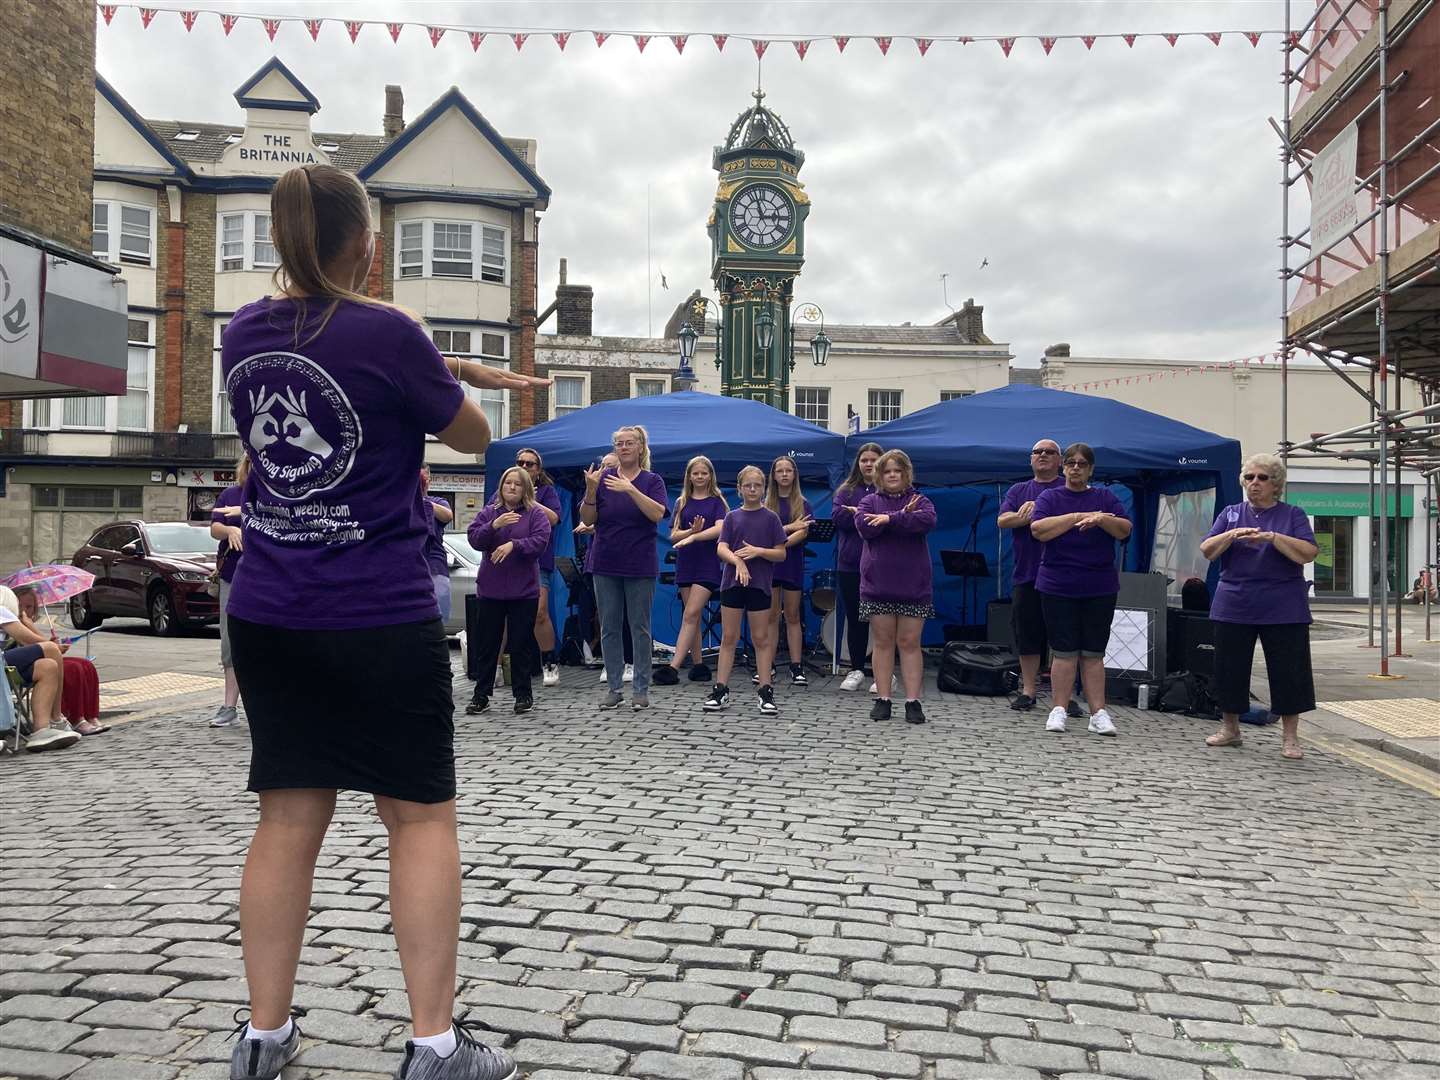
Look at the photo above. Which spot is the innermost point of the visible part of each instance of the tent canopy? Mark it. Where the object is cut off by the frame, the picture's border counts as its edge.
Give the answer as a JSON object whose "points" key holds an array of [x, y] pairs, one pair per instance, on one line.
{"points": [[729, 431]]}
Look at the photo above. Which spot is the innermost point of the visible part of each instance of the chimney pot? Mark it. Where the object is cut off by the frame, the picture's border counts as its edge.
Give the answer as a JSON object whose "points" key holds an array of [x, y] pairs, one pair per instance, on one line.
{"points": [[1059, 349], [394, 118], [562, 271]]}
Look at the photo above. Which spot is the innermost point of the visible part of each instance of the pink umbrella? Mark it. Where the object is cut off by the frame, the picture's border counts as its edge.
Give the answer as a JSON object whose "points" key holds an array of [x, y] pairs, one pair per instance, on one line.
{"points": [[52, 583]]}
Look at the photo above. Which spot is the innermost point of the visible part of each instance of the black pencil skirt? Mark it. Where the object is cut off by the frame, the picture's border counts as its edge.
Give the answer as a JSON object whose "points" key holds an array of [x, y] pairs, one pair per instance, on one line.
{"points": [[357, 710]]}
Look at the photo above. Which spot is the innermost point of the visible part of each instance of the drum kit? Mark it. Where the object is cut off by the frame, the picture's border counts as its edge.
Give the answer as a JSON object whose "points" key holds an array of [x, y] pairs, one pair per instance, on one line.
{"points": [[825, 602]]}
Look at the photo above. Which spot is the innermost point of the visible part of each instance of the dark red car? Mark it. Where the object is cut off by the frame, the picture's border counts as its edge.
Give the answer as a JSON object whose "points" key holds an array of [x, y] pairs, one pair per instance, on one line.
{"points": [[158, 571]]}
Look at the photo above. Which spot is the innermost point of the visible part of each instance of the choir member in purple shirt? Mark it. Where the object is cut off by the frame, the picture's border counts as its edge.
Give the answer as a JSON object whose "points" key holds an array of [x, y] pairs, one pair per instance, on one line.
{"points": [[625, 504], [1077, 526], [896, 586], [857, 485], [1263, 545], [437, 559], [548, 499], [225, 526], [783, 498], [695, 532], [752, 543], [513, 533], [338, 646]]}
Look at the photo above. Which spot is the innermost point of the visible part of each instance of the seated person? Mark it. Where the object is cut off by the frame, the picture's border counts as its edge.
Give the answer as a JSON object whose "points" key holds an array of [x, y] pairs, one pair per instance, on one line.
{"points": [[80, 682], [1423, 584], [38, 662]]}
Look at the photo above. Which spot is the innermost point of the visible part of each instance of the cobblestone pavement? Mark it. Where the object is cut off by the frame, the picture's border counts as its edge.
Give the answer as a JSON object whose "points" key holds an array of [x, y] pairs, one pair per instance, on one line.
{"points": [[680, 896]]}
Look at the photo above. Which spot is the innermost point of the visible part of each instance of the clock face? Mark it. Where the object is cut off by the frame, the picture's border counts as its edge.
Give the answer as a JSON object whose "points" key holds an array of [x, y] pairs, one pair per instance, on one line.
{"points": [[761, 215]]}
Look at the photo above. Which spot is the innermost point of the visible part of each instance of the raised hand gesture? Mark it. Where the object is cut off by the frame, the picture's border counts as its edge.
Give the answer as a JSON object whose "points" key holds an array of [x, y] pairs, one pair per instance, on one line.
{"points": [[501, 553], [877, 520], [509, 517], [592, 477], [616, 482]]}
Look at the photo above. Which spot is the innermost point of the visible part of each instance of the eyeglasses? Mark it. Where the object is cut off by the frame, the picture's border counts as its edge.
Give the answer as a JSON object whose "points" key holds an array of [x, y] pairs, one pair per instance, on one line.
{"points": [[1255, 476], [1043, 451], [527, 464], [1077, 463]]}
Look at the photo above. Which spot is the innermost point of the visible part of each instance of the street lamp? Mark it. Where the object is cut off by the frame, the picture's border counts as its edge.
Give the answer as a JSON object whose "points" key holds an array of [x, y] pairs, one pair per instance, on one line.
{"points": [[764, 331], [819, 341], [685, 375]]}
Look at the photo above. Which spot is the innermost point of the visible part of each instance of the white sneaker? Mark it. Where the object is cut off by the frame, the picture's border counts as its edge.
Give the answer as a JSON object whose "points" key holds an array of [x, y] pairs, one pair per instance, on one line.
{"points": [[552, 675], [1056, 720], [629, 673], [1101, 724], [602, 673], [853, 681], [894, 684]]}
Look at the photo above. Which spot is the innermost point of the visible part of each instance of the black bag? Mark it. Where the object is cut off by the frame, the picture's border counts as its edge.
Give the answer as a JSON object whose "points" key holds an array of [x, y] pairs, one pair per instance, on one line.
{"points": [[977, 667]]}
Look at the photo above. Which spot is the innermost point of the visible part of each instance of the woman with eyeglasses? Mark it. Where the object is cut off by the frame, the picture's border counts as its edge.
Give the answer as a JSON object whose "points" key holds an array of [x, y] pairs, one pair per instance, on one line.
{"points": [[548, 499], [1263, 545], [1078, 526]]}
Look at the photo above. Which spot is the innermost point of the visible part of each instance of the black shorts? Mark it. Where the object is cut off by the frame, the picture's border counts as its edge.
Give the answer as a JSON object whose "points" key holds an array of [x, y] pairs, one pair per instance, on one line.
{"points": [[1078, 624], [712, 587], [786, 586], [357, 710], [745, 598], [1027, 620], [1287, 666], [22, 658]]}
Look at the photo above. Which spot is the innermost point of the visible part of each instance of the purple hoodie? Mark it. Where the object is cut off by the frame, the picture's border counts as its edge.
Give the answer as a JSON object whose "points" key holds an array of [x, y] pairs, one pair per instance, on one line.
{"points": [[518, 577], [847, 537], [895, 566]]}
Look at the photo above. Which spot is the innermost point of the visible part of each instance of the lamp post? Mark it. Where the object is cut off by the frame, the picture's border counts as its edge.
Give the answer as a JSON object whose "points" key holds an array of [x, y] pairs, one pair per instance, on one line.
{"points": [[811, 315], [685, 377]]}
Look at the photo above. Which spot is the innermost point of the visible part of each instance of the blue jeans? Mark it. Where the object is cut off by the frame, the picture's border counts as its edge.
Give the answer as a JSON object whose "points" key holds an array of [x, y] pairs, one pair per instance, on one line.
{"points": [[617, 597], [442, 594]]}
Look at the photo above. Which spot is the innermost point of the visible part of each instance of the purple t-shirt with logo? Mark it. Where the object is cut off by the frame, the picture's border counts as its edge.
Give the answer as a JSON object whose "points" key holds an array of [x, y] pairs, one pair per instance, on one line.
{"points": [[1258, 584], [226, 556], [335, 431], [1075, 563], [849, 543], [791, 572], [547, 496], [436, 559], [698, 562], [1025, 546], [624, 542], [761, 528]]}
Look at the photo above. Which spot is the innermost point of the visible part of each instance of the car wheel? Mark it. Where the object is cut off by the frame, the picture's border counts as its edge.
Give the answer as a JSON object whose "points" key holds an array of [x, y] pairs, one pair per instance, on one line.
{"points": [[162, 613], [82, 615]]}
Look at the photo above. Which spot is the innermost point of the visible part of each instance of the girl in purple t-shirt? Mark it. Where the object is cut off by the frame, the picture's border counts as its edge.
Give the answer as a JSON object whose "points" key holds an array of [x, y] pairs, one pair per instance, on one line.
{"points": [[849, 545], [338, 647], [1078, 526], [225, 526], [513, 532], [695, 533], [752, 542], [783, 498]]}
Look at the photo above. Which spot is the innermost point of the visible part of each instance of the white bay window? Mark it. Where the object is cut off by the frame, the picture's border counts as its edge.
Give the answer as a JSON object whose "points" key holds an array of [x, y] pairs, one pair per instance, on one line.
{"points": [[447, 249]]}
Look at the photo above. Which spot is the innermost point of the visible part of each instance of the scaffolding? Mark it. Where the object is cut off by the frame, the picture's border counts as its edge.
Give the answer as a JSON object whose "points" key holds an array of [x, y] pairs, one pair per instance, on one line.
{"points": [[1360, 284]]}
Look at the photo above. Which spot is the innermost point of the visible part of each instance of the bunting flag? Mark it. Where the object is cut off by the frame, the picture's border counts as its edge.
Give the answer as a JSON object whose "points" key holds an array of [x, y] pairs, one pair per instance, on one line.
{"points": [[801, 45], [1241, 364]]}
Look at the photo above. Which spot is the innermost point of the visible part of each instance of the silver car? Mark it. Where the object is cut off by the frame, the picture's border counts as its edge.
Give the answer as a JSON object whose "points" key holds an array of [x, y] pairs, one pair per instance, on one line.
{"points": [[464, 565]]}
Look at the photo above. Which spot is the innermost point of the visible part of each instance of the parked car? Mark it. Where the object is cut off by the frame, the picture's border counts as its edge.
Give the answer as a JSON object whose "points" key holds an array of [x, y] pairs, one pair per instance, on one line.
{"points": [[159, 571], [464, 565]]}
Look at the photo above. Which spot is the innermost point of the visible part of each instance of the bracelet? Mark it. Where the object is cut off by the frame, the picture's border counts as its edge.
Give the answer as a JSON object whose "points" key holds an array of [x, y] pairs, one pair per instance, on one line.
{"points": [[586, 502]]}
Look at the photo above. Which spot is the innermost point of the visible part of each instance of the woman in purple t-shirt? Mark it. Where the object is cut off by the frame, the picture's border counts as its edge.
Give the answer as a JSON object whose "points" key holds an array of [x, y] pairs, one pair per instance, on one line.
{"points": [[1077, 526], [783, 498], [625, 504], [338, 647], [1263, 545], [548, 499], [695, 532], [752, 543], [225, 527]]}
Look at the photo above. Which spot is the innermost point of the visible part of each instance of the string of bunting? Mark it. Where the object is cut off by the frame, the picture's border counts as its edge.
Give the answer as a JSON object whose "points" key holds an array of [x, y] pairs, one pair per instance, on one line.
{"points": [[1242, 364], [476, 35]]}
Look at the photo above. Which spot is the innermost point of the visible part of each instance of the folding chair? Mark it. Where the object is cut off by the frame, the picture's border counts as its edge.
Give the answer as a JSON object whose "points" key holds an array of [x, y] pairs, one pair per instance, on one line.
{"points": [[14, 711]]}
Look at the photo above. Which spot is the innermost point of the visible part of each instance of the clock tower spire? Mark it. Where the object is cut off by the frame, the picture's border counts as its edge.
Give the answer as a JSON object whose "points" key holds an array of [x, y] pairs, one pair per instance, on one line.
{"points": [[757, 245]]}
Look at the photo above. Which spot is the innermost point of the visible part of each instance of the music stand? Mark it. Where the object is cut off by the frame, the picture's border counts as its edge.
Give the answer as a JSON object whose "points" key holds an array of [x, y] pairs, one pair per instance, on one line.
{"points": [[970, 566], [822, 531]]}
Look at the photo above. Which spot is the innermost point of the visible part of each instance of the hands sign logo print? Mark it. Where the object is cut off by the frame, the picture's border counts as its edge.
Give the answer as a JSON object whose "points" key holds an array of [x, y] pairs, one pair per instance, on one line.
{"points": [[281, 418]]}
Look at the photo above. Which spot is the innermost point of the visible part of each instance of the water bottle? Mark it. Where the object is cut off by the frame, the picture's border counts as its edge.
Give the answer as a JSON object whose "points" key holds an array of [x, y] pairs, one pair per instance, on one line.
{"points": [[1142, 698]]}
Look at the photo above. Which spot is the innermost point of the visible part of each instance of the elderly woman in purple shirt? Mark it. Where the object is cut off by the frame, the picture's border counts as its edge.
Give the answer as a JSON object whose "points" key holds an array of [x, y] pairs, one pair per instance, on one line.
{"points": [[1263, 545]]}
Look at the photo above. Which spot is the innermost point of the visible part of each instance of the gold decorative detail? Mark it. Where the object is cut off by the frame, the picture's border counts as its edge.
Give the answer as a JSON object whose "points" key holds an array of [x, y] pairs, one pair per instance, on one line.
{"points": [[731, 245], [788, 249], [726, 189], [711, 219], [764, 163], [786, 167], [732, 166]]}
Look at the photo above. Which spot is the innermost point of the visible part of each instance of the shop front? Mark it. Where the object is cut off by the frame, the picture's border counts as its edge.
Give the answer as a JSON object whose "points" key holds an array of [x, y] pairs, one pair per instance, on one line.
{"points": [[1347, 530]]}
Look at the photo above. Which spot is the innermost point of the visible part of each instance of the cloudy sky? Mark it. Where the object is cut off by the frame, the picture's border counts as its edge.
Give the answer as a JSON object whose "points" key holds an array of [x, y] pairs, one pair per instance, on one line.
{"points": [[1126, 199]]}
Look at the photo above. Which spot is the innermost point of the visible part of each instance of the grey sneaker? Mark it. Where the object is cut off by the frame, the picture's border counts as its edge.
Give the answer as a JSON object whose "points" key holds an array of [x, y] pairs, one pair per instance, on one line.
{"points": [[224, 716], [54, 737], [639, 702], [262, 1059], [472, 1060], [612, 700]]}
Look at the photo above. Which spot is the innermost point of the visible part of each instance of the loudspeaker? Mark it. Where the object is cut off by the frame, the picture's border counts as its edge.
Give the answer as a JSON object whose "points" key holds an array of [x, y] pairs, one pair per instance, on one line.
{"points": [[1195, 652], [997, 623]]}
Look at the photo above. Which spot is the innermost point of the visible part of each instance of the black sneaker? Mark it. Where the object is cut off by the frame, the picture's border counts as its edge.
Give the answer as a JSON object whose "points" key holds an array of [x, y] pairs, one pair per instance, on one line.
{"points": [[797, 676], [1076, 711], [472, 1060], [523, 705], [700, 673], [755, 679], [1022, 703], [880, 710], [613, 700], [719, 698], [767, 701], [478, 704], [914, 714], [664, 675], [262, 1059]]}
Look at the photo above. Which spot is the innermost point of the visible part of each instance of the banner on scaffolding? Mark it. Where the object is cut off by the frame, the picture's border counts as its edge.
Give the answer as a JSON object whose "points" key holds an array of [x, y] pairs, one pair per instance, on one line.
{"points": [[1333, 213]]}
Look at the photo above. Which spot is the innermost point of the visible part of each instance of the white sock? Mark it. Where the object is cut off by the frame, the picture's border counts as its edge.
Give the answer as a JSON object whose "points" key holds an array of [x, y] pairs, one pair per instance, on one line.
{"points": [[278, 1035], [443, 1044]]}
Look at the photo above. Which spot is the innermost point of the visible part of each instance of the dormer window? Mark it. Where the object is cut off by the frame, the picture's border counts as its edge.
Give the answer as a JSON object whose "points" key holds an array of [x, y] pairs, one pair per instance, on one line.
{"points": [[233, 138], [186, 136], [329, 147]]}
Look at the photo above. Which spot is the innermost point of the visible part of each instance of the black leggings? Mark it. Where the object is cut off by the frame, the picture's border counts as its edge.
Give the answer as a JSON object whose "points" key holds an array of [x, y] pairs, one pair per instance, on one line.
{"points": [[515, 620], [1287, 666], [856, 632]]}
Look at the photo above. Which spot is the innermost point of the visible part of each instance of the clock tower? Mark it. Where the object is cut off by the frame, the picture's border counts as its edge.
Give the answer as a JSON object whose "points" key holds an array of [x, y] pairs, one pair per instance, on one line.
{"points": [[757, 245]]}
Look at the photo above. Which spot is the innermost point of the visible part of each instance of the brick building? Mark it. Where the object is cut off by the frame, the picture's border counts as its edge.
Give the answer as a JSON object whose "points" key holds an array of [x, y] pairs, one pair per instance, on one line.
{"points": [[182, 208]]}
